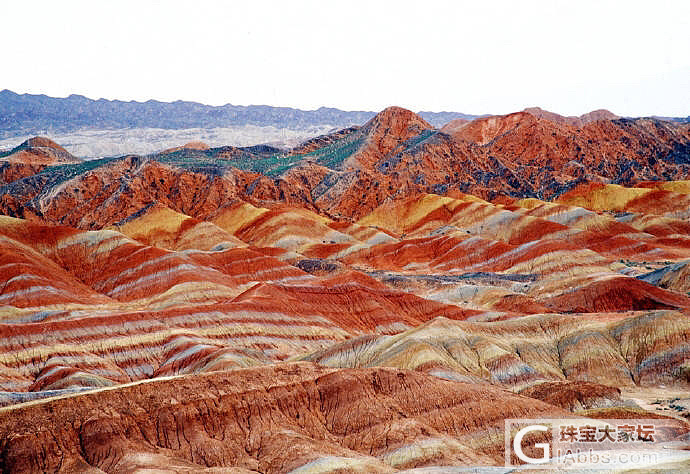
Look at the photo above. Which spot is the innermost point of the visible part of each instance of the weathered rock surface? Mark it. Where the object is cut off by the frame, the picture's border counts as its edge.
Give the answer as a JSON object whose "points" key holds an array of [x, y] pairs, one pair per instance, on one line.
{"points": [[575, 396], [613, 349], [270, 419]]}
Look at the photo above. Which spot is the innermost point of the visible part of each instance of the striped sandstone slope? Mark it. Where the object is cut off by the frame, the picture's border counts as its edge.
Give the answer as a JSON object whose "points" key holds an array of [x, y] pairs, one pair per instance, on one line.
{"points": [[612, 197], [296, 230], [29, 279], [621, 349], [626, 236], [143, 282], [124, 346], [666, 228], [105, 258], [281, 418], [660, 209], [115, 265], [321, 242], [523, 221], [120, 345], [160, 226], [118, 310], [564, 275], [682, 187], [290, 229]]}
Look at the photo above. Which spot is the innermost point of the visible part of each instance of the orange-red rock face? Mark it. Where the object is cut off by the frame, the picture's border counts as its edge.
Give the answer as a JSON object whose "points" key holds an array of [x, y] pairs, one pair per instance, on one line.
{"points": [[269, 419], [416, 264], [11, 172], [551, 151]]}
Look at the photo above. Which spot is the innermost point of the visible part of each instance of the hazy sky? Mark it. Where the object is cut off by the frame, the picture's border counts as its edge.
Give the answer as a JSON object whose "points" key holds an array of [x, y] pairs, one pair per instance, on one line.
{"points": [[631, 57]]}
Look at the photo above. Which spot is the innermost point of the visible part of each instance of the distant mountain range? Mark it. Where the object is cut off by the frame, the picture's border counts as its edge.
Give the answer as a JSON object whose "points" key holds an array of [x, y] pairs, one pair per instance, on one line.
{"points": [[32, 114]]}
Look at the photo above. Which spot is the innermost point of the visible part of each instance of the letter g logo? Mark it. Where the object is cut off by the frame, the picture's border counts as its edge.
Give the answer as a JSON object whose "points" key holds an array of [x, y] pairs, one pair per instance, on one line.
{"points": [[517, 445]]}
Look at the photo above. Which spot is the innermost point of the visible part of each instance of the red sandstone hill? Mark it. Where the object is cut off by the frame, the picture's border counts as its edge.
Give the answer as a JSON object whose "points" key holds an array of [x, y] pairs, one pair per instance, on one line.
{"points": [[271, 419], [592, 116], [453, 127], [549, 154], [385, 133], [31, 157], [39, 151]]}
